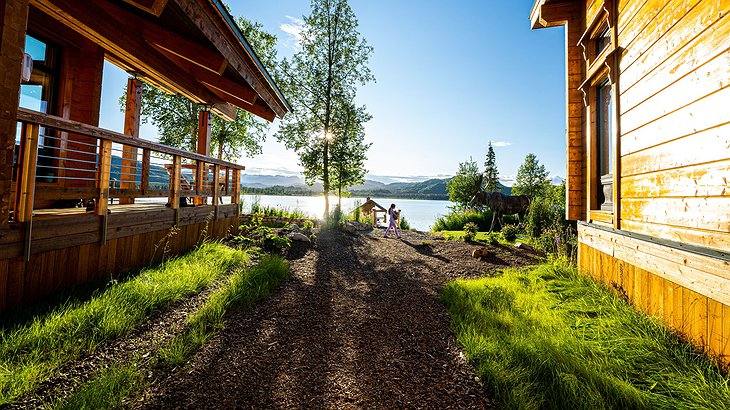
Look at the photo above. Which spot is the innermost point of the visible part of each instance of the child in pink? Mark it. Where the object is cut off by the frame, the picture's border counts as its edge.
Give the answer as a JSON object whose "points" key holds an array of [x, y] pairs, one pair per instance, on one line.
{"points": [[393, 222]]}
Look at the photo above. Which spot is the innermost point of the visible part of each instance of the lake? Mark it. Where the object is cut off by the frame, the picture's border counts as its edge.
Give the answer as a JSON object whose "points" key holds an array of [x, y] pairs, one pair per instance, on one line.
{"points": [[419, 213]]}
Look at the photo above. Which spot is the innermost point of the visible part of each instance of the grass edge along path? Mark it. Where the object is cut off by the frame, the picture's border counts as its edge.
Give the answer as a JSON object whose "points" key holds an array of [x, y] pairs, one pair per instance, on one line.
{"points": [[111, 386], [32, 352], [549, 337]]}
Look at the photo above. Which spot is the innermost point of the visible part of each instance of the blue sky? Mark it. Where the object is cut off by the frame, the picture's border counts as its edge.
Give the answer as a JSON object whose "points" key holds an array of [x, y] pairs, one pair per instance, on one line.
{"points": [[451, 76]]}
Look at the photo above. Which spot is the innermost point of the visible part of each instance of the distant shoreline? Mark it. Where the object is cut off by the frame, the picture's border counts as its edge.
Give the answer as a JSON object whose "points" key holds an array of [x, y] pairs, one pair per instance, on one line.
{"points": [[294, 191]]}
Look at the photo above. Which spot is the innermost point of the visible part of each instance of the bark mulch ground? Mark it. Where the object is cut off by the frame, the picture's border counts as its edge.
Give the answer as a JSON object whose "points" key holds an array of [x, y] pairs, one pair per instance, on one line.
{"points": [[358, 325]]}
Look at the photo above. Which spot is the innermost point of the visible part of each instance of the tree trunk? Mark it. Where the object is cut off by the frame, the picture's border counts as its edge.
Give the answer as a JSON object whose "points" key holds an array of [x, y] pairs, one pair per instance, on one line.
{"points": [[326, 180], [220, 150]]}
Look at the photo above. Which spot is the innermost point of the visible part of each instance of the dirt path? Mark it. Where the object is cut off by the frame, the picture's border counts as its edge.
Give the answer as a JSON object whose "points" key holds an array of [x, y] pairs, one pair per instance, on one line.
{"points": [[358, 325]]}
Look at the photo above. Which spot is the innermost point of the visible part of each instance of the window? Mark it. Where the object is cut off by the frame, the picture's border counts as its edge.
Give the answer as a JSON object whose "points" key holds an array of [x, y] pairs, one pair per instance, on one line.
{"points": [[604, 144], [600, 97], [41, 94]]}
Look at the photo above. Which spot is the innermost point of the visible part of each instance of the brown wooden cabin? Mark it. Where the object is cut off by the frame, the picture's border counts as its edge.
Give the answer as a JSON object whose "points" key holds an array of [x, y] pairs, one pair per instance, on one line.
{"points": [[53, 154], [648, 149]]}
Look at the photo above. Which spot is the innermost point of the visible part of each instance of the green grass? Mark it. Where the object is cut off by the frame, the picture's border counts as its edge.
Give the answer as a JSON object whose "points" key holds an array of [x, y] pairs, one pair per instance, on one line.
{"points": [[106, 390], [548, 337], [482, 237], [242, 290], [32, 352]]}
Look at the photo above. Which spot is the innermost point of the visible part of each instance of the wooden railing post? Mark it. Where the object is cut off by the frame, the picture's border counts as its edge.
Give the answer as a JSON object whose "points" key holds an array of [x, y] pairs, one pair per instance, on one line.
{"points": [[199, 168], [105, 164], [145, 182], [216, 187], [235, 189], [28, 156], [131, 127], [174, 197]]}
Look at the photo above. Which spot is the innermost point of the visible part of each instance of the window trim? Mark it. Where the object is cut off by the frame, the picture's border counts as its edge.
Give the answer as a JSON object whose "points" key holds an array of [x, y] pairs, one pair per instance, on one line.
{"points": [[600, 67]]}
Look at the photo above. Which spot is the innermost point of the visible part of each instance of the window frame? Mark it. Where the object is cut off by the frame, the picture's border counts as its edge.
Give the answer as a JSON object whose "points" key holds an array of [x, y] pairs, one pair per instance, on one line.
{"points": [[601, 66]]}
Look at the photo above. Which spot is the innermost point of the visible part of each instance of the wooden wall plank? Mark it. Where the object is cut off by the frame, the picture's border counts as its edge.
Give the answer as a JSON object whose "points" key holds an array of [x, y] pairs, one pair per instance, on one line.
{"points": [[717, 344], [698, 213], [697, 181], [698, 116]]}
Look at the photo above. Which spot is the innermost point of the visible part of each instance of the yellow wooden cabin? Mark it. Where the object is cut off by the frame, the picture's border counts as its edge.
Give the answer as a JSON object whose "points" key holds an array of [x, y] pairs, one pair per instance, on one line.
{"points": [[52, 152], [648, 150]]}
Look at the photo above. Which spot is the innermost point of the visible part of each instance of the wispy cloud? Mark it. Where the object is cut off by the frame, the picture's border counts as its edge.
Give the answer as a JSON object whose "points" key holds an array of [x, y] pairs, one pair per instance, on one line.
{"points": [[294, 31], [501, 144]]}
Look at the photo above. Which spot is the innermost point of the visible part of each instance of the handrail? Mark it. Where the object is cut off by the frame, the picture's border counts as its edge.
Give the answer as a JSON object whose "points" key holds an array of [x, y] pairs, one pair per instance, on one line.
{"points": [[75, 127]]}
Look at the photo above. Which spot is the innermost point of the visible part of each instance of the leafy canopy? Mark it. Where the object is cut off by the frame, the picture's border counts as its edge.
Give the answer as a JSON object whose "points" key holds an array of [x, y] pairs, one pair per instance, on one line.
{"points": [[320, 81], [465, 184], [532, 178]]}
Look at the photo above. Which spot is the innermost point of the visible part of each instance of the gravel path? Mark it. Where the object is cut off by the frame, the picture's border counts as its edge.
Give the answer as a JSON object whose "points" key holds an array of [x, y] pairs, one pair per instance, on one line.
{"points": [[358, 325]]}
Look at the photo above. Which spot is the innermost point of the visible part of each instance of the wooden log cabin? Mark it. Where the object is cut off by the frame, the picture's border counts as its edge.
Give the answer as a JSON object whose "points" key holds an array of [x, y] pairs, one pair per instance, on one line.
{"points": [[53, 153], [648, 154]]}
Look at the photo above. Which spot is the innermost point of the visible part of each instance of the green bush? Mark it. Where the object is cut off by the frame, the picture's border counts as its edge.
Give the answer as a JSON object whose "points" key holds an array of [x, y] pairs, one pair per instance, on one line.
{"points": [[308, 225], [470, 231], [456, 220], [546, 225], [509, 233], [404, 224]]}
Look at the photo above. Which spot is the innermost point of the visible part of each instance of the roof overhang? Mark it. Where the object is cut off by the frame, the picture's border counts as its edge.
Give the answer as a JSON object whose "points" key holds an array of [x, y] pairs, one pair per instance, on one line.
{"points": [[551, 13], [190, 47]]}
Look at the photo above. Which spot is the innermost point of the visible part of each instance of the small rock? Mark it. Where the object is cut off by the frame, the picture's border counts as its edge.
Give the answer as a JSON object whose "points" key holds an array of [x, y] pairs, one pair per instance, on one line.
{"points": [[294, 227], [349, 227], [480, 253], [300, 237]]}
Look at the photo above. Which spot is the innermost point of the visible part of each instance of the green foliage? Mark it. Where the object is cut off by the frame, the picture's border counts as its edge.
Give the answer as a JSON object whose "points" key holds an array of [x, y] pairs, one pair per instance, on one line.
{"points": [[260, 236], [320, 82], [532, 178], [307, 225], [545, 223], [491, 173], [404, 224], [509, 233], [470, 231], [465, 184], [456, 220], [176, 116], [242, 289], [348, 148], [548, 337], [336, 218], [32, 352], [492, 239]]}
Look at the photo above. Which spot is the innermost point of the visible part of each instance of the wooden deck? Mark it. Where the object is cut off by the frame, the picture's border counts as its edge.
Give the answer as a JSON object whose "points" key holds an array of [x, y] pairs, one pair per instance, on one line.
{"points": [[63, 248]]}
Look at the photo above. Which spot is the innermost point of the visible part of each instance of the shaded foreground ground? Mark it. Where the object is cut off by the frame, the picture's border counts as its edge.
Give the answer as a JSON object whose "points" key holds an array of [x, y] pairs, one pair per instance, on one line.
{"points": [[358, 324]]}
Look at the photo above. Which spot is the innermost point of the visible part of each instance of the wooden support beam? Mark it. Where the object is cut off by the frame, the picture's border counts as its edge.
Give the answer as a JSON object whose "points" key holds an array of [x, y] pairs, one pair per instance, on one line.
{"points": [[26, 173], [175, 172], [105, 163], [14, 17], [131, 128], [112, 27], [154, 7]]}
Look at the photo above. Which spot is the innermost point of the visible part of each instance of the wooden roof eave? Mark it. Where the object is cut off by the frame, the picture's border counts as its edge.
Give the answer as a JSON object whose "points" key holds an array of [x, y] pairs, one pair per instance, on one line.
{"points": [[216, 24], [551, 13]]}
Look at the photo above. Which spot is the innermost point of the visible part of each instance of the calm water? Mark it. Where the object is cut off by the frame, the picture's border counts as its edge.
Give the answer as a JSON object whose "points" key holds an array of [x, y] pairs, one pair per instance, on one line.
{"points": [[419, 213]]}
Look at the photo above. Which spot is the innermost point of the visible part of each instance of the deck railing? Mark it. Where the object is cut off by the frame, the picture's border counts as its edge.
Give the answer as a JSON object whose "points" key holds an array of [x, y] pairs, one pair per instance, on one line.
{"points": [[99, 165]]}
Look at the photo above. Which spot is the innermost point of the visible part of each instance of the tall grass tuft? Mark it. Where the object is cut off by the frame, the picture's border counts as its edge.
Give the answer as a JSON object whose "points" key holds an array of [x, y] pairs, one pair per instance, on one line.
{"points": [[31, 352], [106, 390], [242, 290], [547, 337]]}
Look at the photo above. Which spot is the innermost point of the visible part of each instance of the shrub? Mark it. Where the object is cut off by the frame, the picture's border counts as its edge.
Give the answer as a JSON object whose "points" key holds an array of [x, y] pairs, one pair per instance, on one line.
{"points": [[404, 225], [308, 225], [509, 233], [470, 231], [492, 239], [456, 220]]}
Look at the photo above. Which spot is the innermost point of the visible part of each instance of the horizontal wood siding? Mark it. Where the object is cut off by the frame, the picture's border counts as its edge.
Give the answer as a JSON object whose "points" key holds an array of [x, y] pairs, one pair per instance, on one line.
{"points": [[701, 315], [136, 239], [674, 123]]}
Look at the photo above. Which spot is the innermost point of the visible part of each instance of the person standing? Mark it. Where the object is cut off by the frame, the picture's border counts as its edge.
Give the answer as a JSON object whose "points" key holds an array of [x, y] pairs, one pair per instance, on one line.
{"points": [[393, 214]]}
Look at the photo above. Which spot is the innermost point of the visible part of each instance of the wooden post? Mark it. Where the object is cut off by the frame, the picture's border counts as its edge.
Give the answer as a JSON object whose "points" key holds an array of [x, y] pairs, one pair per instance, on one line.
{"points": [[174, 197], [131, 128], [145, 184], [26, 173], [204, 122], [199, 168], [216, 188], [236, 187], [105, 164], [14, 17]]}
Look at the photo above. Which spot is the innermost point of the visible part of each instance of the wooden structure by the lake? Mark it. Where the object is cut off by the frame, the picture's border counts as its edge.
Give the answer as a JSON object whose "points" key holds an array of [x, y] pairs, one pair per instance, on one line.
{"points": [[53, 154], [372, 208], [648, 149]]}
